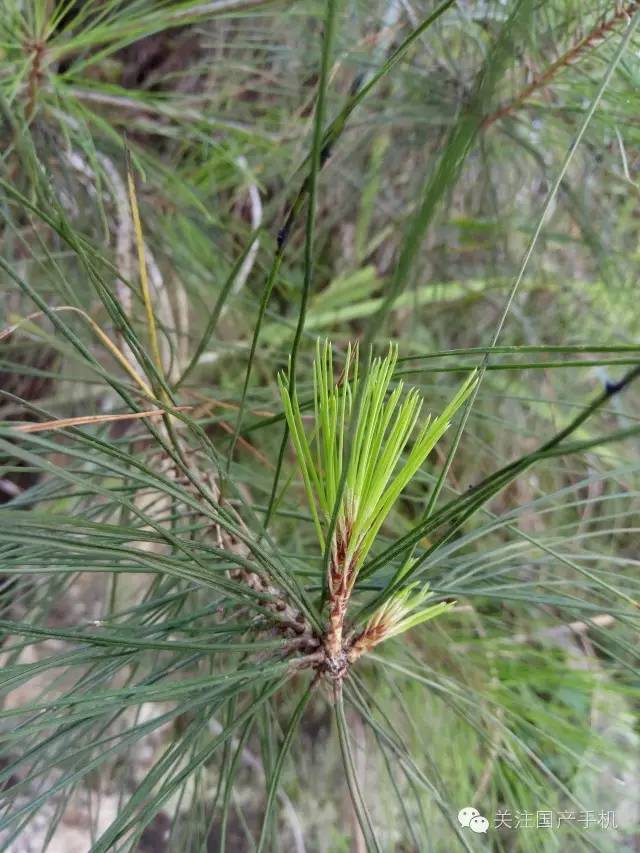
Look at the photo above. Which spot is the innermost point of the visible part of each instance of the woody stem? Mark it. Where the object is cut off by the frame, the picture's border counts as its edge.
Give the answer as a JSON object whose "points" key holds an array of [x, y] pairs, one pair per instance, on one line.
{"points": [[339, 590]]}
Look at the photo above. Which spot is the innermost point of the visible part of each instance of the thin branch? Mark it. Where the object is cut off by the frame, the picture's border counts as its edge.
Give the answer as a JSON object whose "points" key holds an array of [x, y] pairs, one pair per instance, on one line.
{"points": [[569, 57]]}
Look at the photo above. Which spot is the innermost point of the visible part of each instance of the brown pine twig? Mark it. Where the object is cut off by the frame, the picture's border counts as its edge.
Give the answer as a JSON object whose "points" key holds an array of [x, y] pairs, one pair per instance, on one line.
{"points": [[37, 50], [338, 582], [594, 37]]}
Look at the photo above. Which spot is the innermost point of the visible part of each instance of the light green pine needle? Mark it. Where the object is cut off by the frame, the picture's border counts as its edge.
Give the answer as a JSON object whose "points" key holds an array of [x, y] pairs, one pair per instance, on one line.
{"points": [[386, 422]]}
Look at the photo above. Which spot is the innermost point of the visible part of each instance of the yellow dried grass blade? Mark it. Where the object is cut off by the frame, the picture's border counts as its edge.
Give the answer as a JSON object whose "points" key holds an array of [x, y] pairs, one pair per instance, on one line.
{"points": [[88, 420], [142, 267]]}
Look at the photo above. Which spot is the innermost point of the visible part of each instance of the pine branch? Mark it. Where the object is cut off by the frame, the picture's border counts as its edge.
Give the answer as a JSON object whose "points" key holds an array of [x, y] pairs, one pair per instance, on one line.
{"points": [[593, 38], [375, 478]]}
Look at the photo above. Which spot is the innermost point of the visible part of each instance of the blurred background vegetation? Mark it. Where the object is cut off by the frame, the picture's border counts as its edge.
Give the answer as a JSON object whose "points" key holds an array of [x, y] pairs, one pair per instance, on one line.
{"points": [[141, 708]]}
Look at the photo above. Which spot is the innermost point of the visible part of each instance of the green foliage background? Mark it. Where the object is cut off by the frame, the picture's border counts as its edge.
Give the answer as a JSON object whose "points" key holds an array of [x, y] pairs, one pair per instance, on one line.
{"points": [[458, 178]]}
